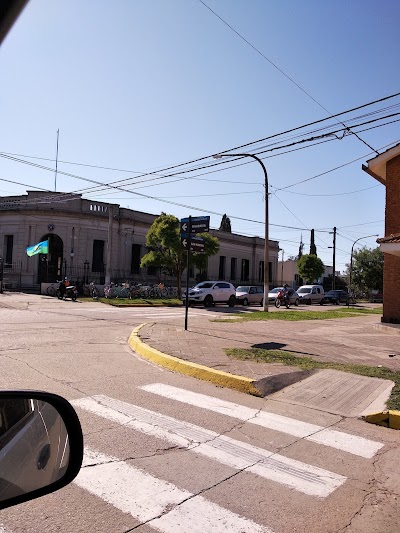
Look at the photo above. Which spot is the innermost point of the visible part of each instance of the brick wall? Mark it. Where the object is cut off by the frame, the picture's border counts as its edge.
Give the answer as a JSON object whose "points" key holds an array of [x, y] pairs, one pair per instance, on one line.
{"points": [[391, 285]]}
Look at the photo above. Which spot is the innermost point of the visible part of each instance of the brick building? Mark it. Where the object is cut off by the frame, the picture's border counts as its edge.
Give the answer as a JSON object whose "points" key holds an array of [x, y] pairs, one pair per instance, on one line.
{"points": [[79, 230], [386, 169]]}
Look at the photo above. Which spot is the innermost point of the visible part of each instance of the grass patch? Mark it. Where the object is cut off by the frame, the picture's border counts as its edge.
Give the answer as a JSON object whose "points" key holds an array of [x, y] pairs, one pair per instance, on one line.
{"points": [[126, 302], [307, 363], [295, 315]]}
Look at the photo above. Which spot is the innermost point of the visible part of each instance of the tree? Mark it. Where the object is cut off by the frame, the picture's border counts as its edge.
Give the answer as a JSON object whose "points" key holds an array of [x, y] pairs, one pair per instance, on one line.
{"points": [[367, 272], [225, 224], [163, 241], [310, 267]]}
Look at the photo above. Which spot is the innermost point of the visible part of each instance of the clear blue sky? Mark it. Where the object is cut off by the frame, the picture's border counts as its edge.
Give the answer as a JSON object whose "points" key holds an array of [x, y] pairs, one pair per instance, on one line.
{"points": [[137, 86]]}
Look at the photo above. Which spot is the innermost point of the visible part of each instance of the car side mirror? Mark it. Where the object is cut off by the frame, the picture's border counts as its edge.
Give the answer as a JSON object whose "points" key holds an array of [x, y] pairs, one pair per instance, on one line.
{"points": [[41, 445]]}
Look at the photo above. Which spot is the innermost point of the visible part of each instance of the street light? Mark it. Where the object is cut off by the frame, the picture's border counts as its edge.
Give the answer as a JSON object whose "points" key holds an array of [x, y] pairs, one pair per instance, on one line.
{"points": [[266, 238], [351, 260]]}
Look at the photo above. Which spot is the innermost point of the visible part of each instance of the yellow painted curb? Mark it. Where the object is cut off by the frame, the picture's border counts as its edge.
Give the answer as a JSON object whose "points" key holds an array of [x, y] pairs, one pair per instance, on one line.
{"points": [[389, 419], [187, 368]]}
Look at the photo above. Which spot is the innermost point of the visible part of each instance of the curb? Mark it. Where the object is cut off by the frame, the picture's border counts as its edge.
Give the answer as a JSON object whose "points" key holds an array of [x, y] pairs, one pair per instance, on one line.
{"points": [[388, 419], [222, 379]]}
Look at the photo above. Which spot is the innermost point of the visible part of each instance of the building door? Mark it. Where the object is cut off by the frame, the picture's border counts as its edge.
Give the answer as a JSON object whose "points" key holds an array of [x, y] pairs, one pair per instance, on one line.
{"points": [[50, 265]]}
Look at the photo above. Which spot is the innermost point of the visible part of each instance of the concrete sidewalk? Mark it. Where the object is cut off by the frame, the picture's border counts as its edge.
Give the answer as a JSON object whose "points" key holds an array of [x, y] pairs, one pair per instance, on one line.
{"points": [[359, 340]]}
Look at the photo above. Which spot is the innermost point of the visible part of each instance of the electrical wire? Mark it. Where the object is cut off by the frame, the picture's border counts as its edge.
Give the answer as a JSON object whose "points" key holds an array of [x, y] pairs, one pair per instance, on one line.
{"points": [[335, 193], [282, 72]]}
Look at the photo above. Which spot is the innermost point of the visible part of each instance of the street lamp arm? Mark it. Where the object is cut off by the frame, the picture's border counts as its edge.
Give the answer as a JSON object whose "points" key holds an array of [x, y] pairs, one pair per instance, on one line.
{"points": [[266, 236], [218, 156]]}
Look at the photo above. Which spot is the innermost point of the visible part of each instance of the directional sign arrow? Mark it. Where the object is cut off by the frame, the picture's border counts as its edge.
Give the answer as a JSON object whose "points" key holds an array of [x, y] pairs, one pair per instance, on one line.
{"points": [[195, 244], [197, 225]]}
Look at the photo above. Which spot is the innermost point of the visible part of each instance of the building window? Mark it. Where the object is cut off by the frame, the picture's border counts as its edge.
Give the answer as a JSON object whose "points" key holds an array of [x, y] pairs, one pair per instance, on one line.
{"points": [[8, 246], [233, 267], [98, 256], [245, 270], [222, 261], [135, 262], [261, 271]]}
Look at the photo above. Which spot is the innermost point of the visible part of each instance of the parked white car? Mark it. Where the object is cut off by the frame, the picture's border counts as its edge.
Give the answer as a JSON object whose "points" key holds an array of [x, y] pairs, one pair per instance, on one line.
{"points": [[211, 292], [311, 294], [250, 294]]}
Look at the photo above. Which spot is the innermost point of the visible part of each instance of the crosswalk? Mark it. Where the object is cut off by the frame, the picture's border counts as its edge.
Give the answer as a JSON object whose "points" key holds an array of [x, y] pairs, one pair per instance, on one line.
{"points": [[168, 506], [312, 432]]}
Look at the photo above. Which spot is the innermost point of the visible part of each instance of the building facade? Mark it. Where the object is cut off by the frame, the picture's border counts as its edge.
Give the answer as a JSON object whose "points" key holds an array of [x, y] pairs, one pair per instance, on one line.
{"points": [[386, 169], [288, 273], [86, 237]]}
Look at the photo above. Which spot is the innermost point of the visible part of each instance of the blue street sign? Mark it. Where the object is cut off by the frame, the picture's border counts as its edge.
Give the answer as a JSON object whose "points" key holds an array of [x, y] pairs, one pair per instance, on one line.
{"points": [[198, 224], [196, 244]]}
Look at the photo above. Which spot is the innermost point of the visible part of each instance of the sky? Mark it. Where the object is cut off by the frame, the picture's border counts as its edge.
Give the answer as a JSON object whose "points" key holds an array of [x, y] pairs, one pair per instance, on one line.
{"points": [[135, 87]]}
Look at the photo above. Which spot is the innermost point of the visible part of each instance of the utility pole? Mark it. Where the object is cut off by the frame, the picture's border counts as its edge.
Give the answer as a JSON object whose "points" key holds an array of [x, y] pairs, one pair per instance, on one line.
{"points": [[334, 259]]}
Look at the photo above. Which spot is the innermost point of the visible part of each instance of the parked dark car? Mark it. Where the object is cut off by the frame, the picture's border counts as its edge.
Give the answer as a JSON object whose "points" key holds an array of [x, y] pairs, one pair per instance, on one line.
{"points": [[336, 297]]}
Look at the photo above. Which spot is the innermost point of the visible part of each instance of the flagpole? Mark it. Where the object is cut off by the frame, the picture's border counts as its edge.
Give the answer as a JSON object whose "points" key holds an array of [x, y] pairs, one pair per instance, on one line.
{"points": [[55, 175]]}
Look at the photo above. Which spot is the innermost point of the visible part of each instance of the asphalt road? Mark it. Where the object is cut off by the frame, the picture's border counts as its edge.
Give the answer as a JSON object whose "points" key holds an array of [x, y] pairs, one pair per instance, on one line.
{"points": [[169, 453]]}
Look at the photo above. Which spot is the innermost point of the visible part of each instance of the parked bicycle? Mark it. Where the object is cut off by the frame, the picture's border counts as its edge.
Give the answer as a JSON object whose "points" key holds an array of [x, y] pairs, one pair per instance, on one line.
{"points": [[117, 291], [91, 290], [52, 289]]}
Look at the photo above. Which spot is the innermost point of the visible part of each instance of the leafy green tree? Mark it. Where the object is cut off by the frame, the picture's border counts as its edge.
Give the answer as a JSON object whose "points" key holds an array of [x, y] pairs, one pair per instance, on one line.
{"points": [[310, 267], [163, 241], [367, 271]]}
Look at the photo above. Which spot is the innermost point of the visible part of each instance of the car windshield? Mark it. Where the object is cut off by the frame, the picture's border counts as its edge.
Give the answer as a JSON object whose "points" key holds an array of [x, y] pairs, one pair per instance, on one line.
{"points": [[333, 293], [304, 290], [243, 289], [277, 289], [204, 285]]}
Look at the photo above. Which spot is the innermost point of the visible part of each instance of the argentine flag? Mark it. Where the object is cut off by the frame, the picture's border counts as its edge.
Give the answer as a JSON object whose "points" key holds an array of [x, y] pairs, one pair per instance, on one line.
{"points": [[39, 248]]}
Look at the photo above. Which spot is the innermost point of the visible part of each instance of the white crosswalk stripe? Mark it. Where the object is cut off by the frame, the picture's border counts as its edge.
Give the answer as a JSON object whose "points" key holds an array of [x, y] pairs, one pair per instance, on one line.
{"points": [[305, 478], [329, 437], [164, 506]]}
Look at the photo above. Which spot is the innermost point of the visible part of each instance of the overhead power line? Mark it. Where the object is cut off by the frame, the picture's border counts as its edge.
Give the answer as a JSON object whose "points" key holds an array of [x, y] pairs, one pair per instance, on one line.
{"points": [[282, 72], [223, 151]]}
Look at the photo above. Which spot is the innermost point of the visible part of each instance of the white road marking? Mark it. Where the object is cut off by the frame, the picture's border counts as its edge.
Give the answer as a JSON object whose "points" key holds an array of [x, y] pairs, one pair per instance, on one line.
{"points": [[329, 437], [159, 503], [305, 478]]}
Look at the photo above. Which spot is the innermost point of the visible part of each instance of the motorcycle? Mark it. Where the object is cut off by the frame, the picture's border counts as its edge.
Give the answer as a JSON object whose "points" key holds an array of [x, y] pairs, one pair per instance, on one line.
{"points": [[282, 299], [67, 291]]}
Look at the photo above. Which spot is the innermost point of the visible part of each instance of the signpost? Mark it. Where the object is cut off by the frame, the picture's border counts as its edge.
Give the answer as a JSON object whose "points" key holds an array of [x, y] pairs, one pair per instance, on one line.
{"points": [[194, 244], [189, 228], [197, 225]]}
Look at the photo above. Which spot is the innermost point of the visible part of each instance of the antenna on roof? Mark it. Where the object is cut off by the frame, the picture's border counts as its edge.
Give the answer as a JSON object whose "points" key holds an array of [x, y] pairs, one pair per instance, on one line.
{"points": [[55, 175]]}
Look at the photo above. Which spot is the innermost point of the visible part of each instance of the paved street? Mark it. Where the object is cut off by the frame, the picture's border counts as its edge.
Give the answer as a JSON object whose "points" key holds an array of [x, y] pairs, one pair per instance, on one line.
{"points": [[165, 452]]}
